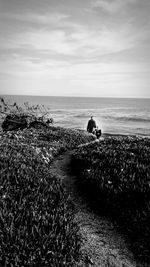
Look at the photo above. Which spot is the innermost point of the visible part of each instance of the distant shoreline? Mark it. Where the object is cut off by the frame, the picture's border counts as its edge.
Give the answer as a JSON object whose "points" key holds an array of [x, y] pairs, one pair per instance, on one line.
{"points": [[74, 96]]}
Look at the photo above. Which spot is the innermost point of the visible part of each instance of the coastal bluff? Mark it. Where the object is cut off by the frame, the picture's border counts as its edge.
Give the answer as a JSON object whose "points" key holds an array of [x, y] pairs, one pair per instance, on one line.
{"points": [[40, 163]]}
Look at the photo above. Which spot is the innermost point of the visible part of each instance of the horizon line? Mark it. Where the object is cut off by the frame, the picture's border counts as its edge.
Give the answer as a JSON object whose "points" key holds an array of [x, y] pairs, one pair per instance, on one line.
{"points": [[69, 96]]}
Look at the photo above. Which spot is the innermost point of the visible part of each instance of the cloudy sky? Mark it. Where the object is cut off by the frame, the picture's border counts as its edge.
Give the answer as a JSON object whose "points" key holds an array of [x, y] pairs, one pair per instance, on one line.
{"points": [[75, 47]]}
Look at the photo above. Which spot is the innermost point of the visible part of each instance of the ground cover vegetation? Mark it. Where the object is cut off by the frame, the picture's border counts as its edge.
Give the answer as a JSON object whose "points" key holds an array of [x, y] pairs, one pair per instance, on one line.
{"points": [[114, 174], [37, 225]]}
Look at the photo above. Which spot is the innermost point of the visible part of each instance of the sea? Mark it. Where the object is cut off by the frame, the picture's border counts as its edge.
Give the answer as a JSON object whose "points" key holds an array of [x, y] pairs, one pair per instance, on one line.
{"points": [[127, 116]]}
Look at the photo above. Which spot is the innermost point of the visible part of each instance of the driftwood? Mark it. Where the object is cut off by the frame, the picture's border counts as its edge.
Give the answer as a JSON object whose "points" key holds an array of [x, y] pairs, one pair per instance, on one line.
{"points": [[14, 122], [18, 118], [22, 121], [37, 124]]}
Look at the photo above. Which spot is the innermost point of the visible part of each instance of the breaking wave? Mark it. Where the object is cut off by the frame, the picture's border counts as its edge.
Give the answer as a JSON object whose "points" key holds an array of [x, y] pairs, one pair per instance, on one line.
{"points": [[128, 118]]}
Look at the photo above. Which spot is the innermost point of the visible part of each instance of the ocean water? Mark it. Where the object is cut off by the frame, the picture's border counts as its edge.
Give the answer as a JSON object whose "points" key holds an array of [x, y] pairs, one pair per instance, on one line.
{"points": [[112, 115]]}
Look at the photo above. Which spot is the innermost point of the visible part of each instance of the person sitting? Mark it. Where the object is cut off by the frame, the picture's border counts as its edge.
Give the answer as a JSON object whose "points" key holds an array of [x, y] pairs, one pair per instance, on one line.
{"points": [[91, 125], [98, 132], [49, 121]]}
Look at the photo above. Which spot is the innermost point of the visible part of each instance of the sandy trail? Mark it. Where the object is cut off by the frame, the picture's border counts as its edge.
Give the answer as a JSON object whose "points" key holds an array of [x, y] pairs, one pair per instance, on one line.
{"points": [[102, 244]]}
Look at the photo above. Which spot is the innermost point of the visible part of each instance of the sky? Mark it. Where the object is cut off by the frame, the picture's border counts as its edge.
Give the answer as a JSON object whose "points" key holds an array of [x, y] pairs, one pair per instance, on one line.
{"points": [[98, 48]]}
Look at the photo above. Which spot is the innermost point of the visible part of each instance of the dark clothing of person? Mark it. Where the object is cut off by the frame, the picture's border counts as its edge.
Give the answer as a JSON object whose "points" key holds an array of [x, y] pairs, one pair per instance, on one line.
{"points": [[91, 125]]}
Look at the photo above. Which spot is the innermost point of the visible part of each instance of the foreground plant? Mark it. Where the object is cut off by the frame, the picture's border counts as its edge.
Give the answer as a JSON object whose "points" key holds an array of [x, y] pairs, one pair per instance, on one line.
{"points": [[116, 173], [36, 216]]}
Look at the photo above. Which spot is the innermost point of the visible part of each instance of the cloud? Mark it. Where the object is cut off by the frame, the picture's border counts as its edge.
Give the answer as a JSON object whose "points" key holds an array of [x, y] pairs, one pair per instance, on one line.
{"points": [[112, 6], [63, 45], [61, 69], [60, 78], [80, 42], [57, 34], [46, 18]]}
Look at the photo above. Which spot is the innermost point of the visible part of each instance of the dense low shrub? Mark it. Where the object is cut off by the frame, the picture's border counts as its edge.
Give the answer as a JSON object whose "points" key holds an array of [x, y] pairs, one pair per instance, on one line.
{"points": [[36, 216], [69, 138], [46, 143], [116, 173]]}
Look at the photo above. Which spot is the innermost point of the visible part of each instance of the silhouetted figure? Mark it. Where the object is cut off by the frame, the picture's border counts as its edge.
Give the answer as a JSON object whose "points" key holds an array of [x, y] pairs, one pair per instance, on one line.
{"points": [[91, 125]]}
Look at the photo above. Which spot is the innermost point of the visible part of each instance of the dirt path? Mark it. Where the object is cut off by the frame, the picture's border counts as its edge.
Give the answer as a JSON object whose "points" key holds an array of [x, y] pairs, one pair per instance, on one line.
{"points": [[102, 245]]}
